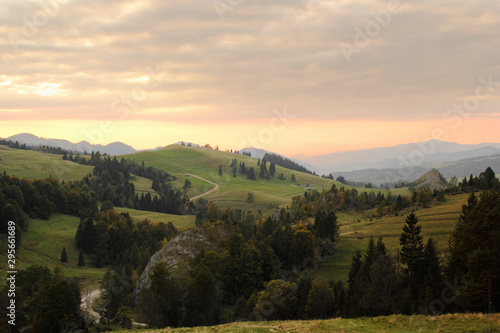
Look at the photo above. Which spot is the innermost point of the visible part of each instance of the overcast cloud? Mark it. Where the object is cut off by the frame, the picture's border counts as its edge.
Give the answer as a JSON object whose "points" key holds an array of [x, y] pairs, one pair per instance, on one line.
{"points": [[261, 55]]}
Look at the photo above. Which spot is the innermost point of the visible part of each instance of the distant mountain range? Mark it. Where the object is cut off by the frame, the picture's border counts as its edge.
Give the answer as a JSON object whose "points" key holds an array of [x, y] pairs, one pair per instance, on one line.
{"points": [[115, 148], [425, 154], [406, 162]]}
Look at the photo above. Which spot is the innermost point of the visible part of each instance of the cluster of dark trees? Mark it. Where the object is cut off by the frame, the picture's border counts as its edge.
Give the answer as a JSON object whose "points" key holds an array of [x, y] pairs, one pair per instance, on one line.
{"points": [[467, 280], [44, 148], [40, 198], [265, 275], [343, 199], [46, 300], [472, 255], [264, 172], [112, 180], [113, 239], [284, 162], [263, 257], [486, 180], [380, 284]]}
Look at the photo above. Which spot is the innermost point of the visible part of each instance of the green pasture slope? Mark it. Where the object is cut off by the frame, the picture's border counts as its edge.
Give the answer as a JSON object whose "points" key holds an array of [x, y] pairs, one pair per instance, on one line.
{"points": [[355, 231], [181, 222], [42, 244], [233, 192], [395, 323], [34, 164]]}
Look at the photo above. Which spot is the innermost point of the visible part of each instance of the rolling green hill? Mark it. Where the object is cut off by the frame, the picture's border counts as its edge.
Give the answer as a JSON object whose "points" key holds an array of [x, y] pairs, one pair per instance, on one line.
{"points": [[233, 192], [34, 164], [181, 222], [42, 244]]}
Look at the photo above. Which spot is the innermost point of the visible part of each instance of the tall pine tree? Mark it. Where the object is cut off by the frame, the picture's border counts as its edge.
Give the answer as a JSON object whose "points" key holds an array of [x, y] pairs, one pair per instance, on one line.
{"points": [[64, 255], [472, 255], [412, 255]]}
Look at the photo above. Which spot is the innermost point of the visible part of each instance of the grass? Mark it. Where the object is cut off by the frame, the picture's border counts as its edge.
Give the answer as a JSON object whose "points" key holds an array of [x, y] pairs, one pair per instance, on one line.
{"points": [[181, 222], [143, 185], [34, 164], [268, 194], [437, 222], [43, 244], [198, 186], [394, 323]]}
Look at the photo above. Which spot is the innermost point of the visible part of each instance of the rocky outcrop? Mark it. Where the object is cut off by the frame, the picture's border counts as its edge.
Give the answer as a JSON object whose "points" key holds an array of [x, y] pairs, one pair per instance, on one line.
{"points": [[183, 249], [433, 180]]}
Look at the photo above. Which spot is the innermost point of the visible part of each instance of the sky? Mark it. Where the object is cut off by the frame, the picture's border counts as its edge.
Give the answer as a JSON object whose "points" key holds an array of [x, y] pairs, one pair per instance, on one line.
{"points": [[290, 76]]}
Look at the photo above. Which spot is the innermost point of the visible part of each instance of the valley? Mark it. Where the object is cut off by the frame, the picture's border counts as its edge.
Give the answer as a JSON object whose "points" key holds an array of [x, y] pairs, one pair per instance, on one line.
{"points": [[206, 175]]}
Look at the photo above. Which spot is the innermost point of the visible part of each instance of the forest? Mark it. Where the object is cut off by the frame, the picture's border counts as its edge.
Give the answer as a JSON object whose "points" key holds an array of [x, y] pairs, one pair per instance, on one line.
{"points": [[263, 270]]}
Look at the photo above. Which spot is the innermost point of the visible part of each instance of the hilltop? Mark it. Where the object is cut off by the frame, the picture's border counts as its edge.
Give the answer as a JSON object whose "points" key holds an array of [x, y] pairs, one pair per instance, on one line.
{"points": [[34, 164], [115, 148], [433, 180], [233, 191]]}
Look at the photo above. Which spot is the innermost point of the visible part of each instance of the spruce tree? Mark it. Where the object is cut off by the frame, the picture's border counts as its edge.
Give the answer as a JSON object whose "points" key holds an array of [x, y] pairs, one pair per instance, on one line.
{"points": [[412, 254], [355, 266], [64, 255], [380, 248], [412, 248], [81, 259], [472, 256], [433, 284], [326, 224]]}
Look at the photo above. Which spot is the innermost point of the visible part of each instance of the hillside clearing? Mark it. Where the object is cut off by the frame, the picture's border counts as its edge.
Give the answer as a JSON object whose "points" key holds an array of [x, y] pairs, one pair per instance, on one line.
{"points": [[233, 192], [34, 164], [43, 244], [437, 222]]}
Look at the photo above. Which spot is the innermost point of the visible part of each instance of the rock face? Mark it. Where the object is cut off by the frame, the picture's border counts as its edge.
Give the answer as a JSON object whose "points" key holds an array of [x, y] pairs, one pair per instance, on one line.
{"points": [[183, 249], [433, 180]]}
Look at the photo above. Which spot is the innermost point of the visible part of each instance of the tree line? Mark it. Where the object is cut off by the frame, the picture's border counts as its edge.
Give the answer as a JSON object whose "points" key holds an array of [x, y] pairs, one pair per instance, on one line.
{"points": [[112, 180], [263, 172], [46, 300], [285, 163], [41, 148], [113, 239], [252, 260], [265, 277]]}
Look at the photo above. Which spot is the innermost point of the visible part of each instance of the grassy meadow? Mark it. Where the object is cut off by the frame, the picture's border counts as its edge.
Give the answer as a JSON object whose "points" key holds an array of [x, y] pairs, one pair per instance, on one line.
{"points": [[233, 192], [45, 239], [34, 164], [355, 231], [43, 244], [181, 222]]}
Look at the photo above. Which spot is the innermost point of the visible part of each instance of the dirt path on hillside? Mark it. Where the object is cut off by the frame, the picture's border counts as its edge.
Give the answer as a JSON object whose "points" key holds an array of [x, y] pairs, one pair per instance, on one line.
{"points": [[88, 298], [205, 180]]}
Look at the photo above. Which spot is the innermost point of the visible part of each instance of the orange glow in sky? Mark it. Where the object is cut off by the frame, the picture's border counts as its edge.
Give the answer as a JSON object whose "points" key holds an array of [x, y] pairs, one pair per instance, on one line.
{"points": [[152, 73]]}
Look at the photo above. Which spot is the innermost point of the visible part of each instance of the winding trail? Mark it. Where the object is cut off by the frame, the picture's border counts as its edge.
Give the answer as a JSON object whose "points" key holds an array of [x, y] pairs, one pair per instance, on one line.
{"points": [[205, 180], [88, 298]]}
